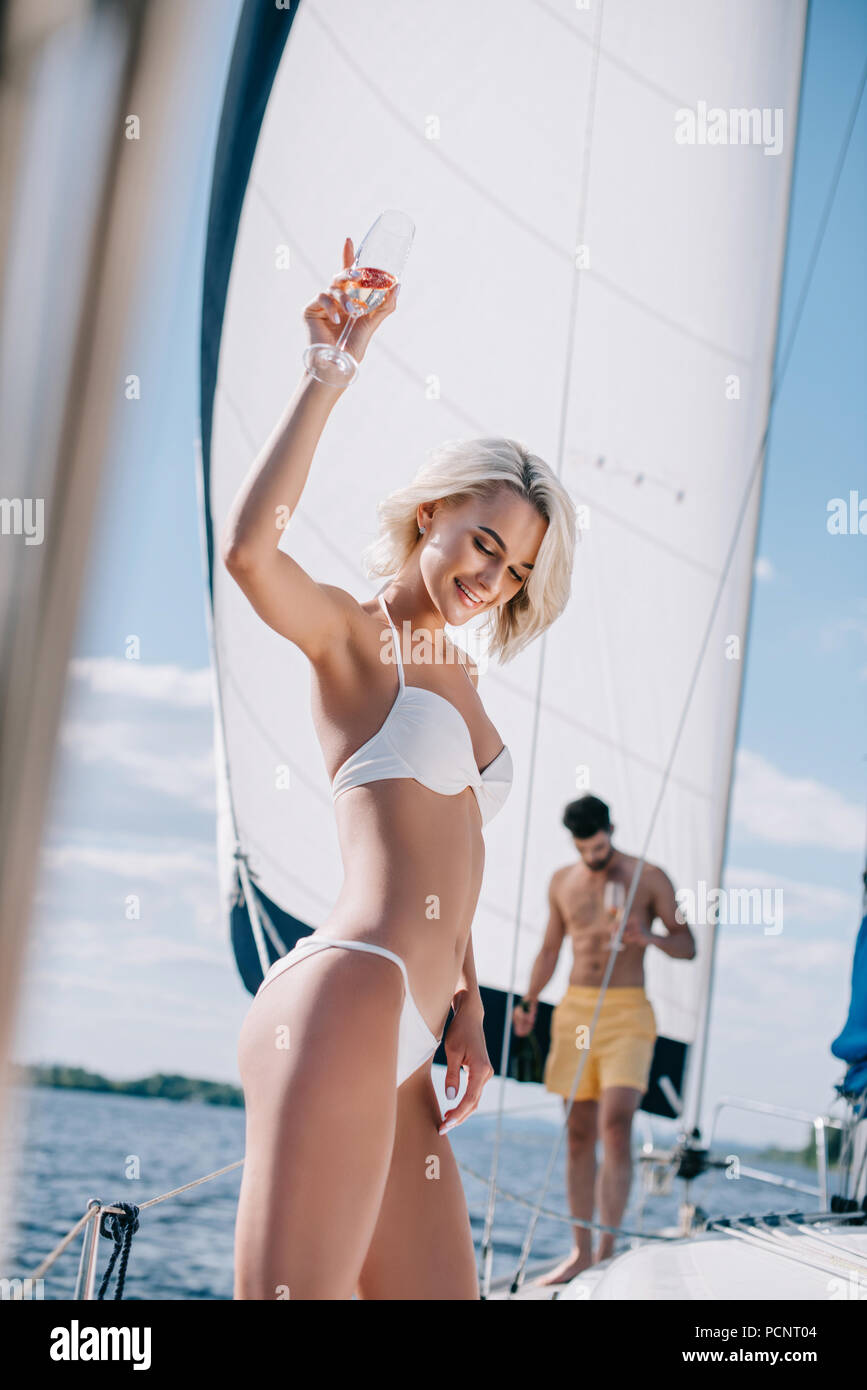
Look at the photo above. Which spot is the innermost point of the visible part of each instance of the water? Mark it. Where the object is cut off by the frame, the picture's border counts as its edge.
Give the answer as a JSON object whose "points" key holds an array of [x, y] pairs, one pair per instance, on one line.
{"points": [[81, 1144]]}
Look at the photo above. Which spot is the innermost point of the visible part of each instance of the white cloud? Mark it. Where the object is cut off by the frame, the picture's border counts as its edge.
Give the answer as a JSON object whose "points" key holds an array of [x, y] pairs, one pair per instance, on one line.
{"points": [[785, 998], [182, 883], [804, 902], [90, 941], [170, 685], [187, 777], [803, 957], [140, 949], [836, 634], [764, 569], [166, 718], [778, 1002], [169, 1010], [792, 810], [161, 866]]}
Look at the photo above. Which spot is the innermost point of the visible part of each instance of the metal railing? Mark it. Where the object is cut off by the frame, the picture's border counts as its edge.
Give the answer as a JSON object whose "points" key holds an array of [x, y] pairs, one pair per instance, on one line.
{"points": [[820, 1125]]}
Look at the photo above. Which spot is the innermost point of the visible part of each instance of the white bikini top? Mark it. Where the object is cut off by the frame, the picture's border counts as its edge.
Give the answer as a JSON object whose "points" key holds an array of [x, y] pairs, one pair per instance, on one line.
{"points": [[425, 737]]}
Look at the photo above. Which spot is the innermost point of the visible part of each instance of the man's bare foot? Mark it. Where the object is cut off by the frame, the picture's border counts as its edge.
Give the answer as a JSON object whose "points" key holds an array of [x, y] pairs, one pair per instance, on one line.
{"points": [[603, 1252], [575, 1263]]}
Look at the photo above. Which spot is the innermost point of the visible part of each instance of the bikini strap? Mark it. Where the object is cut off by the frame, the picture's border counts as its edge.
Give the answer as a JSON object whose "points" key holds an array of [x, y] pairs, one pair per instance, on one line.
{"points": [[398, 658], [312, 944], [382, 951]]}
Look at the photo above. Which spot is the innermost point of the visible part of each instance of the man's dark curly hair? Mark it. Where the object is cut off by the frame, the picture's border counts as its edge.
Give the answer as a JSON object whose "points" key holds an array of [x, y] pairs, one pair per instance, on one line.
{"points": [[585, 817]]}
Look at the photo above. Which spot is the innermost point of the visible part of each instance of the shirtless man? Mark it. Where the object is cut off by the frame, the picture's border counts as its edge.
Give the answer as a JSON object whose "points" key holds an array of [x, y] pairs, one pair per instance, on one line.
{"points": [[617, 1066]]}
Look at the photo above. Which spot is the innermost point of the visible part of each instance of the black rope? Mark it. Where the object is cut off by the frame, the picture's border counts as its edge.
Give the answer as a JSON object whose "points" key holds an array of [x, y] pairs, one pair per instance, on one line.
{"points": [[120, 1228]]}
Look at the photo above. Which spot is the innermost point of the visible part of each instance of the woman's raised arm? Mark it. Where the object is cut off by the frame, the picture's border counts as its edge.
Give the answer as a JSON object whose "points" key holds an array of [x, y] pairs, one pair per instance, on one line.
{"points": [[310, 614]]}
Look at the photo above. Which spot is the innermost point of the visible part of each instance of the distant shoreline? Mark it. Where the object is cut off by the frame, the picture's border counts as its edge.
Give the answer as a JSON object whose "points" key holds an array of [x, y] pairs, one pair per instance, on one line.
{"points": [[159, 1085], [188, 1088]]}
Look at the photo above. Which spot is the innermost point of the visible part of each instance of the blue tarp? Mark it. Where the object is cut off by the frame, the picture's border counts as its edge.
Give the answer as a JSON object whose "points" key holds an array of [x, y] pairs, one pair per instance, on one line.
{"points": [[851, 1044]]}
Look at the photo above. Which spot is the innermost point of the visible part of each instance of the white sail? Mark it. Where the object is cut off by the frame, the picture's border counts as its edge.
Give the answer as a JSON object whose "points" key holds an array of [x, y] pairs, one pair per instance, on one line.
{"points": [[524, 139]]}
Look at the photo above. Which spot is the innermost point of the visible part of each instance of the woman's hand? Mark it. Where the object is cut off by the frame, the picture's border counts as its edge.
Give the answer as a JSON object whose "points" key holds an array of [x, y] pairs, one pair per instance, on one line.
{"points": [[326, 317], [465, 1047]]}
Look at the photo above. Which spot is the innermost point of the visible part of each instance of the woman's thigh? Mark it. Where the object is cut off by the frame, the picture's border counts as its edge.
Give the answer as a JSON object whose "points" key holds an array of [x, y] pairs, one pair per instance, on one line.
{"points": [[422, 1247], [318, 1056]]}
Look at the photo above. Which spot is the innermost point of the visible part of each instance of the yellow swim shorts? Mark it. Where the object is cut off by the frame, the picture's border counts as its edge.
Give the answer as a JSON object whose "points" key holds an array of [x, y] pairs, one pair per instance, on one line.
{"points": [[621, 1051]]}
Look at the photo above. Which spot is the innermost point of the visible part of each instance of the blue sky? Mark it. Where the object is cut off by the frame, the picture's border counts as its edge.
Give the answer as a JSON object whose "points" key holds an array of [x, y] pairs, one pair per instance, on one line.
{"points": [[133, 803]]}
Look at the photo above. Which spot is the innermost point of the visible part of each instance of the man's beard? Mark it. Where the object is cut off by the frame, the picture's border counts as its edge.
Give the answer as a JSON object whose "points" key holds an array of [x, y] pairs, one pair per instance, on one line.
{"points": [[603, 864]]}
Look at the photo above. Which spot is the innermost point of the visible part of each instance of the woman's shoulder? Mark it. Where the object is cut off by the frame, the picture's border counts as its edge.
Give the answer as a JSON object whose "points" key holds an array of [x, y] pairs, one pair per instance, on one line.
{"points": [[364, 617], [354, 609]]}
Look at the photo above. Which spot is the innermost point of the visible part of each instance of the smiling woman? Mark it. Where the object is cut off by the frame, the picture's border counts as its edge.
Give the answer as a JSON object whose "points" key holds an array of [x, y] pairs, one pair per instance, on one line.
{"points": [[486, 527], [478, 481]]}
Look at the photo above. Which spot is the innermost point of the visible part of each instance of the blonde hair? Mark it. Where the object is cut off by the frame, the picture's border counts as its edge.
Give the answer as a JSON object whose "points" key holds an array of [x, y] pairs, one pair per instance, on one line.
{"points": [[464, 468]]}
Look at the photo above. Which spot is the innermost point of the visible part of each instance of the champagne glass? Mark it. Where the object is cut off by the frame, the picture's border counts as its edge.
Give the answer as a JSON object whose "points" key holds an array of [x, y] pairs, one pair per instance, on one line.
{"points": [[614, 899], [378, 265]]}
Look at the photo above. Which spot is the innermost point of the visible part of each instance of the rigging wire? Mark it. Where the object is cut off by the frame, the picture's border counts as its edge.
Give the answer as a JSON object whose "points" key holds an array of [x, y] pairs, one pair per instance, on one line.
{"points": [[813, 1238], [773, 1244]]}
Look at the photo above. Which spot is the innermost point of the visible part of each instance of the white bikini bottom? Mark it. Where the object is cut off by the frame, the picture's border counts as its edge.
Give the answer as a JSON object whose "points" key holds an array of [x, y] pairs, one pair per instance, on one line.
{"points": [[415, 1041]]}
